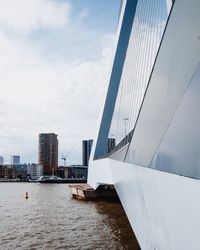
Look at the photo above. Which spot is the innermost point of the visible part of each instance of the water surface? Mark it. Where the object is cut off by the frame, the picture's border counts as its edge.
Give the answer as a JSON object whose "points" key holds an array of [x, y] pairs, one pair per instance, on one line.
{"points": [[51, 219]]}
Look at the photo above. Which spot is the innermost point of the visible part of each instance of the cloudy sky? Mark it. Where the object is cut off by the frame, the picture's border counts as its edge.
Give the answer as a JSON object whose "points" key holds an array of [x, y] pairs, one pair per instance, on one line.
{"points": [[54, 64]]}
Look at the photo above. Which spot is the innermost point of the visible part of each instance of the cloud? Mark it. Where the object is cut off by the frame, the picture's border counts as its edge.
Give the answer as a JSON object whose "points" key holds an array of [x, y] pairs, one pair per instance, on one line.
{"points": [[26, 16], [84, 13], [39, 95], [50, 81]]}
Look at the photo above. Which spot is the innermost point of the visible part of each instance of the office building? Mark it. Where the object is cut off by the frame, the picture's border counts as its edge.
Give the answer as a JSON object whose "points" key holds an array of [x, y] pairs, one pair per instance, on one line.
{"points": [[48, 153], [9, 171], [1, 171], [21, 171], [78, 171], [34, 171], [73, 171], [1, 160], [15, 160], [86, 150]]}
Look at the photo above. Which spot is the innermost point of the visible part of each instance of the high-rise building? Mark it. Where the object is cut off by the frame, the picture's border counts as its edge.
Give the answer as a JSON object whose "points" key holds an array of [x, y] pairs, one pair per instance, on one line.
{"points": [[86, 150], [48, 153], [15, 160], [1, 160], [110, 144]]}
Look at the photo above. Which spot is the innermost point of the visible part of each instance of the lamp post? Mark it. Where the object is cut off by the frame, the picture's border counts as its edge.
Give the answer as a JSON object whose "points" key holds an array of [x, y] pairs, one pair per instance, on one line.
{"points": [[125, 120]]}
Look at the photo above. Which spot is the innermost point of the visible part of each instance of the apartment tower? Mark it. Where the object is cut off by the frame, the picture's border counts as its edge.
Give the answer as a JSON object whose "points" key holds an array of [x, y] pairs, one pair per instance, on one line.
{"points": [[48, 153]]}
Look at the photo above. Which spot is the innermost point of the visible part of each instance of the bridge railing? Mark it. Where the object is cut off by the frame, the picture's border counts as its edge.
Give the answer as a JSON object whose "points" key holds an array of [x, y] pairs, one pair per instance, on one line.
{"points": [[121, 144]]}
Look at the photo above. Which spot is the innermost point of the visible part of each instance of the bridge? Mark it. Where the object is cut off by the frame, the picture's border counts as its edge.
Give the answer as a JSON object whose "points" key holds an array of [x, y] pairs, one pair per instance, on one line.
{"points": [[152, 111]]}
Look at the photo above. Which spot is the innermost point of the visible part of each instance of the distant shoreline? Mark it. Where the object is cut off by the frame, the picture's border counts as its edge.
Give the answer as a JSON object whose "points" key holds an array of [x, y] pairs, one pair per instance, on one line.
{"points": [[62, 181]]}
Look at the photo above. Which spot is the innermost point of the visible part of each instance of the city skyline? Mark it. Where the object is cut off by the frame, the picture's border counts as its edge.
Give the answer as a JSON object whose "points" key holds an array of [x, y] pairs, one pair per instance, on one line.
{"points": [[16, 159], [40, 57], [19, 158]]}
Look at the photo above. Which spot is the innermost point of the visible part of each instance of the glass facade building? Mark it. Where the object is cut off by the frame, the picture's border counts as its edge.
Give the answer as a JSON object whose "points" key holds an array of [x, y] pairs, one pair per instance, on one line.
{"points": [[86, 150], [15, 160]]}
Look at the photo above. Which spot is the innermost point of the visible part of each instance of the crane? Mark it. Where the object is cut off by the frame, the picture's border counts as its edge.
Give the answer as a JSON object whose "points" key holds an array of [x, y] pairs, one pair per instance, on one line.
{"points": [[64, 156]]}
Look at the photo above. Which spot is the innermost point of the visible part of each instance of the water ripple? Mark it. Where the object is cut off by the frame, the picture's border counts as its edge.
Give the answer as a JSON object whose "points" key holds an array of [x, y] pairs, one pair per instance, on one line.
{"points": [[50, 219]]}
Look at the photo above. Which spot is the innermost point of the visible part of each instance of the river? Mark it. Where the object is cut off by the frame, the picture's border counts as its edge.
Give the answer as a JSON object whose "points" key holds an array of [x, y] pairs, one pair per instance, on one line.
{"points": [[51, 219]]}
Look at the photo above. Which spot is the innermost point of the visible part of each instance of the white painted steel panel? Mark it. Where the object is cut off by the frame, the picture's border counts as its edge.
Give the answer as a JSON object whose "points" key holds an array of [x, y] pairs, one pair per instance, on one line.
{"points": [[99, 173], [120, 154], [178, 58], [179, 151], [163, 208]]}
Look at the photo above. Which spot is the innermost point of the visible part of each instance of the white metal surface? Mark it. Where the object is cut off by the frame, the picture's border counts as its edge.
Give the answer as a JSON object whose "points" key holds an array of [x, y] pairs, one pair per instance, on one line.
{"points": [[163, 208], [177, 60]]}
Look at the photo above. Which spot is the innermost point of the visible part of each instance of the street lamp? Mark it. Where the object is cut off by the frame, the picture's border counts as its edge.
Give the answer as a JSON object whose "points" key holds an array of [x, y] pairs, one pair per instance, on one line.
{"points": [[125, 120]]}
